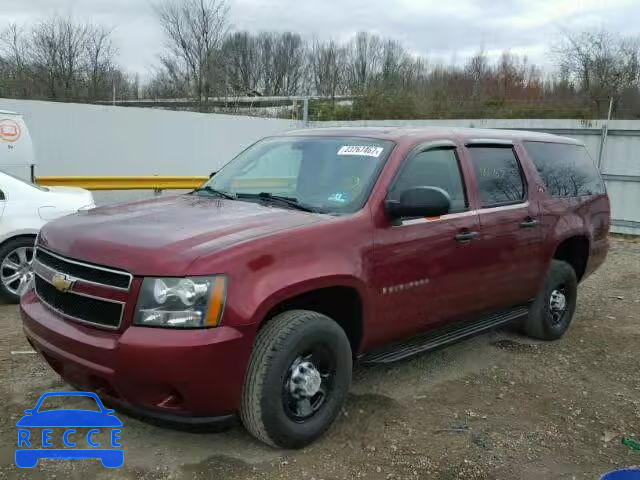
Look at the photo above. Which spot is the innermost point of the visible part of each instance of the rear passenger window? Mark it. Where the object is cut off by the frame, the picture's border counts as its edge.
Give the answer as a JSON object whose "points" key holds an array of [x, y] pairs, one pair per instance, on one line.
{"points": [[433, 168], [500, 180], [566, 170]]}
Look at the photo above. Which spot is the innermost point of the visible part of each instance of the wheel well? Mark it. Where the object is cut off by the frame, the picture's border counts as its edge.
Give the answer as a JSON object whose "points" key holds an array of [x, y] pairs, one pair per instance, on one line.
{"points": [[24, 235], [341, 304], [574, 251]]}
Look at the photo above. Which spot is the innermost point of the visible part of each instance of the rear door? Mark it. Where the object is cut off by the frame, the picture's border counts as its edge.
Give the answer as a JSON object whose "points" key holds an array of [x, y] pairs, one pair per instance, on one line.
{"points": [[511, 239]]}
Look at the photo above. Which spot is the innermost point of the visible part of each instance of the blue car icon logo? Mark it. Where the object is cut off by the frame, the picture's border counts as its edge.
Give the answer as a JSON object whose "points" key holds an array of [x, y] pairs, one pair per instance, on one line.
{"points": [[32, 446]]}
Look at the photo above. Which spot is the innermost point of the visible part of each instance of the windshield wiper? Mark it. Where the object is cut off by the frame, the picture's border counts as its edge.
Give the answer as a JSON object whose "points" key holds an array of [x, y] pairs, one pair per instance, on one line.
{"points": [[289, 201], [208, 189]]}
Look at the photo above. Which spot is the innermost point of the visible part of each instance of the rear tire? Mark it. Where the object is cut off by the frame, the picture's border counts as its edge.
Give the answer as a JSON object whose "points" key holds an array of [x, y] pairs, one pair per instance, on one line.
{"points": [[16, 255], [554, 306], [298, 379]]}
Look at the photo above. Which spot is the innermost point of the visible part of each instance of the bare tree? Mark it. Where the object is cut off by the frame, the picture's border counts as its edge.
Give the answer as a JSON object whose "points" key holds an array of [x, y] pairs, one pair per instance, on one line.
{"points": [[60, 58], [72, 44], [478, 69], [289, 63], [100, 53], [13, 47], [509, 76], [44, 54], [241, 56], [395, 64], [601, 63], [282, 62], [58, 49], [327, 63], [364, 63], [194, 30], [165, 83]]}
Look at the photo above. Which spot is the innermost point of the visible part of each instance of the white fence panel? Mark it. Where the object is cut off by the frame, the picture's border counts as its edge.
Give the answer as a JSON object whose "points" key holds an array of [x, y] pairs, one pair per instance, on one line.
{"points": [[76, 139]]}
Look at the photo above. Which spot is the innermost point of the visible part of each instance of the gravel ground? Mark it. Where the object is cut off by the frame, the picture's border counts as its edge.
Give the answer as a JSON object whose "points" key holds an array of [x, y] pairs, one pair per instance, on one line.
{"points": [[498, 406]]}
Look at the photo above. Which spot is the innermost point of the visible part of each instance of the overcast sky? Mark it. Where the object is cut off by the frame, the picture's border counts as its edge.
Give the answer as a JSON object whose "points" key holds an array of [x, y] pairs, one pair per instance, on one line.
{"points": [[442, 30]]}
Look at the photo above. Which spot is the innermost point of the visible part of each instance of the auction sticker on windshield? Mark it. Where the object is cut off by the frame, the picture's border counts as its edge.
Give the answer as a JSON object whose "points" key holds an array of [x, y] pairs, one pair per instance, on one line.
{"points": [[365, 150], [69, 433]]}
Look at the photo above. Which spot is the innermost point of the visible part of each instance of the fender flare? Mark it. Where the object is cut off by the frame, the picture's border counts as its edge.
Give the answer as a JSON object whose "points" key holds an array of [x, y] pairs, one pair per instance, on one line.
{"points": [[306, 286]]}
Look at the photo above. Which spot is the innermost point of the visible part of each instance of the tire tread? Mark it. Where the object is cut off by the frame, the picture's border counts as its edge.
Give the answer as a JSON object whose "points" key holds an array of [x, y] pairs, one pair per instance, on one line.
{"points": [[534, 325], [269, 342]]}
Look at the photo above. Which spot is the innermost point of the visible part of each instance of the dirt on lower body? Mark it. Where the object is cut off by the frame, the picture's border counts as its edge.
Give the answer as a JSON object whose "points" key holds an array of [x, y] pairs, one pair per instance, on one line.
{"points": [[498, 406]]}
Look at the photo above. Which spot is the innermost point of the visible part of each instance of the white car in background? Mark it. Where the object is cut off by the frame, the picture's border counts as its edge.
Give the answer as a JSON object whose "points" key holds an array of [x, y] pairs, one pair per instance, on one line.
{"points": [[24, 209]]}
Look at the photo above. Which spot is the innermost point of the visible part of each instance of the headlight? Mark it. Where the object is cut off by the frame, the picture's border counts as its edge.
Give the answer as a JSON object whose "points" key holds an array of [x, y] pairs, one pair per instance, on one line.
{"points": [[190, 302]]}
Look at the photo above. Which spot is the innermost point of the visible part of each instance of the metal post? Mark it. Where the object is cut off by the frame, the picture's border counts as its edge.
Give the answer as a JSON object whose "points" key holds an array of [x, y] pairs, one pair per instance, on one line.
{"points": [[305, 111], [603, 140]]}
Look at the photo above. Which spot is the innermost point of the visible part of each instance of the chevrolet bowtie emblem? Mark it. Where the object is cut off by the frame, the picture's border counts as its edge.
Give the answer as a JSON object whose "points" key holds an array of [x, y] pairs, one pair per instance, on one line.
{"points": [[62, 282]]}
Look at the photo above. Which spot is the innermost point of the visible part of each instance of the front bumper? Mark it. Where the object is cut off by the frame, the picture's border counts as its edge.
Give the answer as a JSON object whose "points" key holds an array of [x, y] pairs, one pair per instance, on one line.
{"points": [[174, 376]]}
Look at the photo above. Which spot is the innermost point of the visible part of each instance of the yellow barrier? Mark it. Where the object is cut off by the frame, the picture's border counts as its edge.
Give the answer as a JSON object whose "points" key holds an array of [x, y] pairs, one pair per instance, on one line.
{"points": [[124, 183], [157, 182]]}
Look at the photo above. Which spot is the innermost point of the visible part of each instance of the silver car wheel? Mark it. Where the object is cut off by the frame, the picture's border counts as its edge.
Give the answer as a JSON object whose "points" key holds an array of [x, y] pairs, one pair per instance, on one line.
{"points": [[15, 271]]}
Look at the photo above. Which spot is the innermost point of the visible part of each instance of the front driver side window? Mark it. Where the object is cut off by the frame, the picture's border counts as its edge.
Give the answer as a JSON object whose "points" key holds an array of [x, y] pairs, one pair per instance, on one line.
{"points": [[433, 168]]}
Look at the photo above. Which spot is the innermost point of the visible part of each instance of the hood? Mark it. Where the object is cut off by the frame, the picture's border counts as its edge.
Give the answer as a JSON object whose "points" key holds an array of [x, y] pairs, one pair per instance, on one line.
{"points": [[164, 236]]}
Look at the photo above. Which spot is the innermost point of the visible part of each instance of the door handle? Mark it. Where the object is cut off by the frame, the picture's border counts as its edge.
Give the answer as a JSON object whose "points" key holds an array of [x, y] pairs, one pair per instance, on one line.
{"points": [[466, 236], [529, 223]]}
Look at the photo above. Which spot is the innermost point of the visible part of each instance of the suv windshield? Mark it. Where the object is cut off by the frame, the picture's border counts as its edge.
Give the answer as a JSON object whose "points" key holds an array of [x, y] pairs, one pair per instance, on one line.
{"points": [[324, 174]]}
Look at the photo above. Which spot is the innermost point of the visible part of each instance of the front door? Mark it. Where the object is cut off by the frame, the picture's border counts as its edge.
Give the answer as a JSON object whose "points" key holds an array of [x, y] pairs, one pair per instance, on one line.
{"points": [[424, 268]]}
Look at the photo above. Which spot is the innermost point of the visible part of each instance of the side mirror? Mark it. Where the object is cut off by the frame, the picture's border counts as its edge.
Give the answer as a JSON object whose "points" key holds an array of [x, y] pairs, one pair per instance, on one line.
{"points": [[419, 202], [212, 174]]}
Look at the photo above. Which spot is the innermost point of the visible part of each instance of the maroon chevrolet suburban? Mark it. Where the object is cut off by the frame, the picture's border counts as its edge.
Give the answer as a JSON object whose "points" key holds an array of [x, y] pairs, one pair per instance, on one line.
{"points": [[257, 292]]}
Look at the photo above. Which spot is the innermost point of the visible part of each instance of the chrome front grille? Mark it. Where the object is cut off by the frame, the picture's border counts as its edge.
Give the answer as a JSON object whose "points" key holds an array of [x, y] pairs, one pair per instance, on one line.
{"points": [[84, 271], [66, 286]]}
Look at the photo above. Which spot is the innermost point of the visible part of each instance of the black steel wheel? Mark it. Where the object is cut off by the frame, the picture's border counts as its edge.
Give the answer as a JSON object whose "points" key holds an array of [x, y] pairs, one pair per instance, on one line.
{"points": [[298, 379], [309, 383], [552, 310]]}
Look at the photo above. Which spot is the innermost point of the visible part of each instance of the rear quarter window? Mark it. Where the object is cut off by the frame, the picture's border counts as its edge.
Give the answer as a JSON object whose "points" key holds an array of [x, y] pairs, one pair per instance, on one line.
{"points": [[566, 170]]}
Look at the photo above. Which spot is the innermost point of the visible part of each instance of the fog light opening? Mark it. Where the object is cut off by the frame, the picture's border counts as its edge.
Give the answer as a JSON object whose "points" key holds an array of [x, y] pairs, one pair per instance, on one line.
{"points": [[172, 401]]}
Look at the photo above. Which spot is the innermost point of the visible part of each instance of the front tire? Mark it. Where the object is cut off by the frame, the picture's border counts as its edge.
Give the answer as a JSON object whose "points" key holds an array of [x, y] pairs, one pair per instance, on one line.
{"points": [[298, 379], [16, 256], [554, 306]]}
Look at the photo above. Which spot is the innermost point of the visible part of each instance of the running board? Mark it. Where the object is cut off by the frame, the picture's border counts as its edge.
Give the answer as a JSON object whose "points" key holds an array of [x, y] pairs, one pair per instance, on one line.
{"points": [[442, 336]]}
